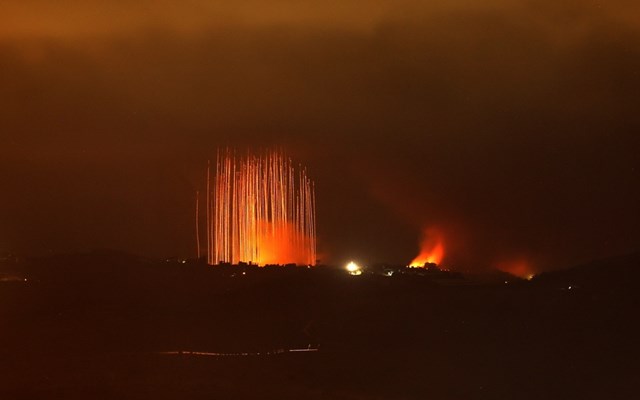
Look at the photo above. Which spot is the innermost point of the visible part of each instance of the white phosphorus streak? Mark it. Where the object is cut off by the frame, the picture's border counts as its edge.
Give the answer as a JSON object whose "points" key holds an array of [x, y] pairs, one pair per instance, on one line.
{"points": [[260, 210]]}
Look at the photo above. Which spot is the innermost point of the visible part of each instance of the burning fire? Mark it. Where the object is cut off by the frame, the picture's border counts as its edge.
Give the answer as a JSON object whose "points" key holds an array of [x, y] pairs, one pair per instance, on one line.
{"points": [[260, 210], [431, 249]]}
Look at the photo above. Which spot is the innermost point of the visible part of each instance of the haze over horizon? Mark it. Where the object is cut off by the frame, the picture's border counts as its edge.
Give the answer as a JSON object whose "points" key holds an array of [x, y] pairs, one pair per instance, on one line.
{"points": [[509, 129]]}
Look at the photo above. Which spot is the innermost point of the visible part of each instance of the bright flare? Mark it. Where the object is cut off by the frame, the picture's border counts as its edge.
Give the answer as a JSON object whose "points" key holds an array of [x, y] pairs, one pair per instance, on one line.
{"points": [[353, 268], [261, 210]]}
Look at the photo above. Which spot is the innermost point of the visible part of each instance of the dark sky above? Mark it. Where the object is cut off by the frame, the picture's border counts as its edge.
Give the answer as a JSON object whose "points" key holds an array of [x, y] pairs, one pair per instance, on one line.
{"points": [[510, 127]]}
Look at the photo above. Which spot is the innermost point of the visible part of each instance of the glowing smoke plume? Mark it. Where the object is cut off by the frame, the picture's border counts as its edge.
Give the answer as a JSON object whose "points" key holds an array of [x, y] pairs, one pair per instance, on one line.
{"points": [[431, 249], [261, 210]]}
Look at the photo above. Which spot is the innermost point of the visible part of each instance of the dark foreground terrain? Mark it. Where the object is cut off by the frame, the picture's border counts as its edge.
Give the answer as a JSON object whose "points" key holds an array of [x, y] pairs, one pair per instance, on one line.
{"points": [[94, 327]]}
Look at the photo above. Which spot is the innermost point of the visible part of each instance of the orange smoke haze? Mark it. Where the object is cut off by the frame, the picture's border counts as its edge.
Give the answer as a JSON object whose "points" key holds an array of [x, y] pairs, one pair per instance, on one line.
{"points": [[431, 249], [282, 245], [519, 268]]}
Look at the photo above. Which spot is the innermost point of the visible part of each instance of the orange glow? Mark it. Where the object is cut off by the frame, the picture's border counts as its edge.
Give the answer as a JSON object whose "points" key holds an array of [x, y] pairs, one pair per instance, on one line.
{"points": [[519, 268], [261, 211], [431, 249]]}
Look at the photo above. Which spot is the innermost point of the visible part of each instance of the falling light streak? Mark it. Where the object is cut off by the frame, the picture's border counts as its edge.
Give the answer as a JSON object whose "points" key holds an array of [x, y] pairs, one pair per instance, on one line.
{"points": [[260, 210], [197, 225], [208, 208]]}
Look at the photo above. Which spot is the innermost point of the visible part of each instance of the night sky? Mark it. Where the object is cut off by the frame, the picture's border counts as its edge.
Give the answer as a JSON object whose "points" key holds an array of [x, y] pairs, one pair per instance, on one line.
{"points": [[511, 128]]}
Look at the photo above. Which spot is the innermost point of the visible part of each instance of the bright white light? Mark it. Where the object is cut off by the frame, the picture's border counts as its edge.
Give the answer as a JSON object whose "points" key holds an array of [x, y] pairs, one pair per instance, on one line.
{"points": [[353, 268]]}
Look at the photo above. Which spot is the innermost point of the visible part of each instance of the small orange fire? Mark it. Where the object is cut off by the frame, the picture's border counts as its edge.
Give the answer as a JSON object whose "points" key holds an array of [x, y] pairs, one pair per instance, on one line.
{"points": [[431, 249]]}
